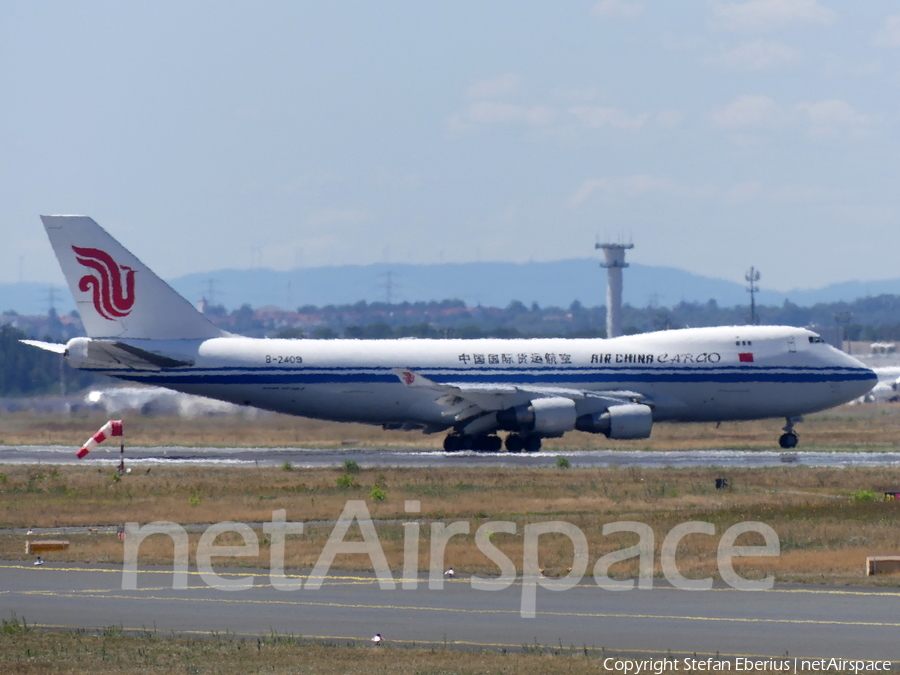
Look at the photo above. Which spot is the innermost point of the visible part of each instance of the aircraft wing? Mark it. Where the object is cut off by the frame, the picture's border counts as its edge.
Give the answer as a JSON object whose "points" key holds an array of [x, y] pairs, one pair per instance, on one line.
{"points": [[467, 400]]}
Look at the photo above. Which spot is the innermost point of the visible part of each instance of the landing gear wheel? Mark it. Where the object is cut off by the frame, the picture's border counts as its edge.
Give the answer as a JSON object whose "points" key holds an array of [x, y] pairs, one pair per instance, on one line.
{"points": [[514, 443], [788, 440], [486, 443], [532, 444], [452, 443]]}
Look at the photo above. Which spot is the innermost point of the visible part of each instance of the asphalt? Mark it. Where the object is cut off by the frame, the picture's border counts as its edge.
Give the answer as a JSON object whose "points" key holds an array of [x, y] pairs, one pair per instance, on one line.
{"points": [[798, 621], [147, 457]]}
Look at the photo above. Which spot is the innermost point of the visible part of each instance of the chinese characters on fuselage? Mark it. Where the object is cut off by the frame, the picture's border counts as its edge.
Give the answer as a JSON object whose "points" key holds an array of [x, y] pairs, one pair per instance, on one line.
{"points": [[510, 359], [548, 359]]}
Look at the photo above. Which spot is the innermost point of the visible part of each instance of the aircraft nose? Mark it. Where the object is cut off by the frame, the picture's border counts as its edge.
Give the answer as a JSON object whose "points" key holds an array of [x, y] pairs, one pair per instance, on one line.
{"points": [[867, 379]]}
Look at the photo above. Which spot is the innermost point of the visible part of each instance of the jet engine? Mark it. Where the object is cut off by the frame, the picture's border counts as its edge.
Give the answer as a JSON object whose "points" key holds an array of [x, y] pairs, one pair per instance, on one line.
{"points": [[545, 416], [626, 421]]}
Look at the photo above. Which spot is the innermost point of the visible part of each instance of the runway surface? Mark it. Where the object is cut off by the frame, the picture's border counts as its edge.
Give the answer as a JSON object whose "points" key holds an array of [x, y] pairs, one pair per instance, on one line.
{"points": [[365, 457], [807, 622]]}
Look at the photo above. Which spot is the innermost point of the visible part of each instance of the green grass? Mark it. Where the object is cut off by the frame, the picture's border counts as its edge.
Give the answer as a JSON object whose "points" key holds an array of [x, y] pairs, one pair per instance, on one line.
{"points": [[113, 651]]}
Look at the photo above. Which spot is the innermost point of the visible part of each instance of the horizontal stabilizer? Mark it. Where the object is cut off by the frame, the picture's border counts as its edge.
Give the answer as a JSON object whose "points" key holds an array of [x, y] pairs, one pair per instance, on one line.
{"points": [[54, 347], [157, 360], [106, 354]]}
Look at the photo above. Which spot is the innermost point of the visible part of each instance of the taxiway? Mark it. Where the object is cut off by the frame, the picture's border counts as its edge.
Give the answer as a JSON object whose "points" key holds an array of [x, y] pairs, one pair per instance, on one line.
{"points": [[802, 621]]}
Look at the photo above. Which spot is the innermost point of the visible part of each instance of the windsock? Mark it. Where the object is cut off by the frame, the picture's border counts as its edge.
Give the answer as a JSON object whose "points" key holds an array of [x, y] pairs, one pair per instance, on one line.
{"points": [[111, 428]]}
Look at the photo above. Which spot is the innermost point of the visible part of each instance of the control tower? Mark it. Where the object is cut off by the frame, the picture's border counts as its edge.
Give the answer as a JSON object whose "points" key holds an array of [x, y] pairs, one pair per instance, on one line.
{"points": [[614, 264]]}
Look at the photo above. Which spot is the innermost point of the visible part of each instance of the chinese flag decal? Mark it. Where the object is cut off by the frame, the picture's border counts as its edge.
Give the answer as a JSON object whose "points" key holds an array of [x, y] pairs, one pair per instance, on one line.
{"points": [[746, 357]]}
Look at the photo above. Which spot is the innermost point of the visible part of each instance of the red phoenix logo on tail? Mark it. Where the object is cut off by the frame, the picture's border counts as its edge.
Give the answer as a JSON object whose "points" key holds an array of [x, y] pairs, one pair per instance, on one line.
{"points": [[113, 299]]}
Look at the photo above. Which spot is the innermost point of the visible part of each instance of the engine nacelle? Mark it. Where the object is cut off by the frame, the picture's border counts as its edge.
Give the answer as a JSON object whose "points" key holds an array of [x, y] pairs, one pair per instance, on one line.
{"points": [[623, 422], [545, 416]]}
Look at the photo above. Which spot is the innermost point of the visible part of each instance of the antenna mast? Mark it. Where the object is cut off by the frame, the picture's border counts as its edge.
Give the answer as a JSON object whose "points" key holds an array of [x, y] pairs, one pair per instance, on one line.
{"points": [[752, 277]]}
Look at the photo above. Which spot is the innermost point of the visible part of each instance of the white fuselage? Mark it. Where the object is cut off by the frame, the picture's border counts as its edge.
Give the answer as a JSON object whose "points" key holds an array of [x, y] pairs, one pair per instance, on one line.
{"points": [[700, 374]]}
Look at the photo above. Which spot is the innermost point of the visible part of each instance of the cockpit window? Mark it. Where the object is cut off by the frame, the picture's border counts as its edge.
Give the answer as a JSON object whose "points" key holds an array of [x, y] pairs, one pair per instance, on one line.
{"points": [[813, 339]]}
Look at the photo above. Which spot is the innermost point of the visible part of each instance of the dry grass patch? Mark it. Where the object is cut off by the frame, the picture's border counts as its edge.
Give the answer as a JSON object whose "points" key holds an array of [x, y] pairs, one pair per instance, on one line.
{"points": [[824, 534], [38, 653], [874, 426]]}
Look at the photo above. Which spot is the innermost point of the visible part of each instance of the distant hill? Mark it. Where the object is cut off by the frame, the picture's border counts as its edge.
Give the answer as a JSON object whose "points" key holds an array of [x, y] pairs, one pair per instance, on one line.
{"points": [[486, 283], [496, 285], [32, 298]]}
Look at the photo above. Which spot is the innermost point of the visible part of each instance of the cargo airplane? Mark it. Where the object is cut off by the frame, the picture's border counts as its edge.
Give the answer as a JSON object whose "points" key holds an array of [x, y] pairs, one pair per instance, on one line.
{"points": [[141, 330]]}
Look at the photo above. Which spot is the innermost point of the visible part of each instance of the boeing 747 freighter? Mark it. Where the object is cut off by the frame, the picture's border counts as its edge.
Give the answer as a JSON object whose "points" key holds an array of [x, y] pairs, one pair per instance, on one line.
{"points": [[141, 330]]}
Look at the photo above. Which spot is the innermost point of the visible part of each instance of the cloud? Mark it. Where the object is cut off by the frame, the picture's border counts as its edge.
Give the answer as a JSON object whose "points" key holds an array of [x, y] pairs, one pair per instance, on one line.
{"points": [[749, 112], [827, 118], [669, 118], [576, 94], [248, 113], [740, 193], [484, 113], [832, 116], [743, 192], [618, 8], [636, 186], [309, 181], [755, 15], [810, 193], [596, 117], [643, 185], [337, 217], [383, 178], [889, 35], [758, 55], [499, 86], [487, 112], [552, 118]]}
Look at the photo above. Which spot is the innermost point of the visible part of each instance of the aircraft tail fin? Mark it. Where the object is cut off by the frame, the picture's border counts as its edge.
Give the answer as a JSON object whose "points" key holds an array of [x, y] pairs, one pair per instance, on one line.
{"points": [[116, 294]]}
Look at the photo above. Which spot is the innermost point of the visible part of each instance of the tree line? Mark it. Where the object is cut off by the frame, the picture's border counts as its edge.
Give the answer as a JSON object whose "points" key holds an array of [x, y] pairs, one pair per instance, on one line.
{"points": [[28, 371]]}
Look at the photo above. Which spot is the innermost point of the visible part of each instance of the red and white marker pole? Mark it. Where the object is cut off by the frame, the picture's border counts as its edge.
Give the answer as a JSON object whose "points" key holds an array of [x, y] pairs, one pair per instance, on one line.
{"points": [[111, 428]]}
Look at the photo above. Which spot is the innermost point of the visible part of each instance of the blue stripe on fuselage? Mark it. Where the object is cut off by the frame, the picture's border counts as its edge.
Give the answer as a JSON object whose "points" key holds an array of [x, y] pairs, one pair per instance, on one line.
{"points": [[576, 375]]}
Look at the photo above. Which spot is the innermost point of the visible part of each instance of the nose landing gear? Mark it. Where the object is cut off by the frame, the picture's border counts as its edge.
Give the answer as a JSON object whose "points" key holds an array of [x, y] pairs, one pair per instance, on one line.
{"points": [[789, 438]]}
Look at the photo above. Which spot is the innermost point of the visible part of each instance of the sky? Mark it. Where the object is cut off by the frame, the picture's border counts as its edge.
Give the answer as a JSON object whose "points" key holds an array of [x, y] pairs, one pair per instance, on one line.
{"points": [[713, 134]]}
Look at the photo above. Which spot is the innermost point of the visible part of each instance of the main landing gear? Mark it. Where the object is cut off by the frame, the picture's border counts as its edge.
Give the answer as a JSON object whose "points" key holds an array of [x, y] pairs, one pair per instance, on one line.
{"points": [[491, 443], [484, 443], [789, 438], [517, 443]]}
